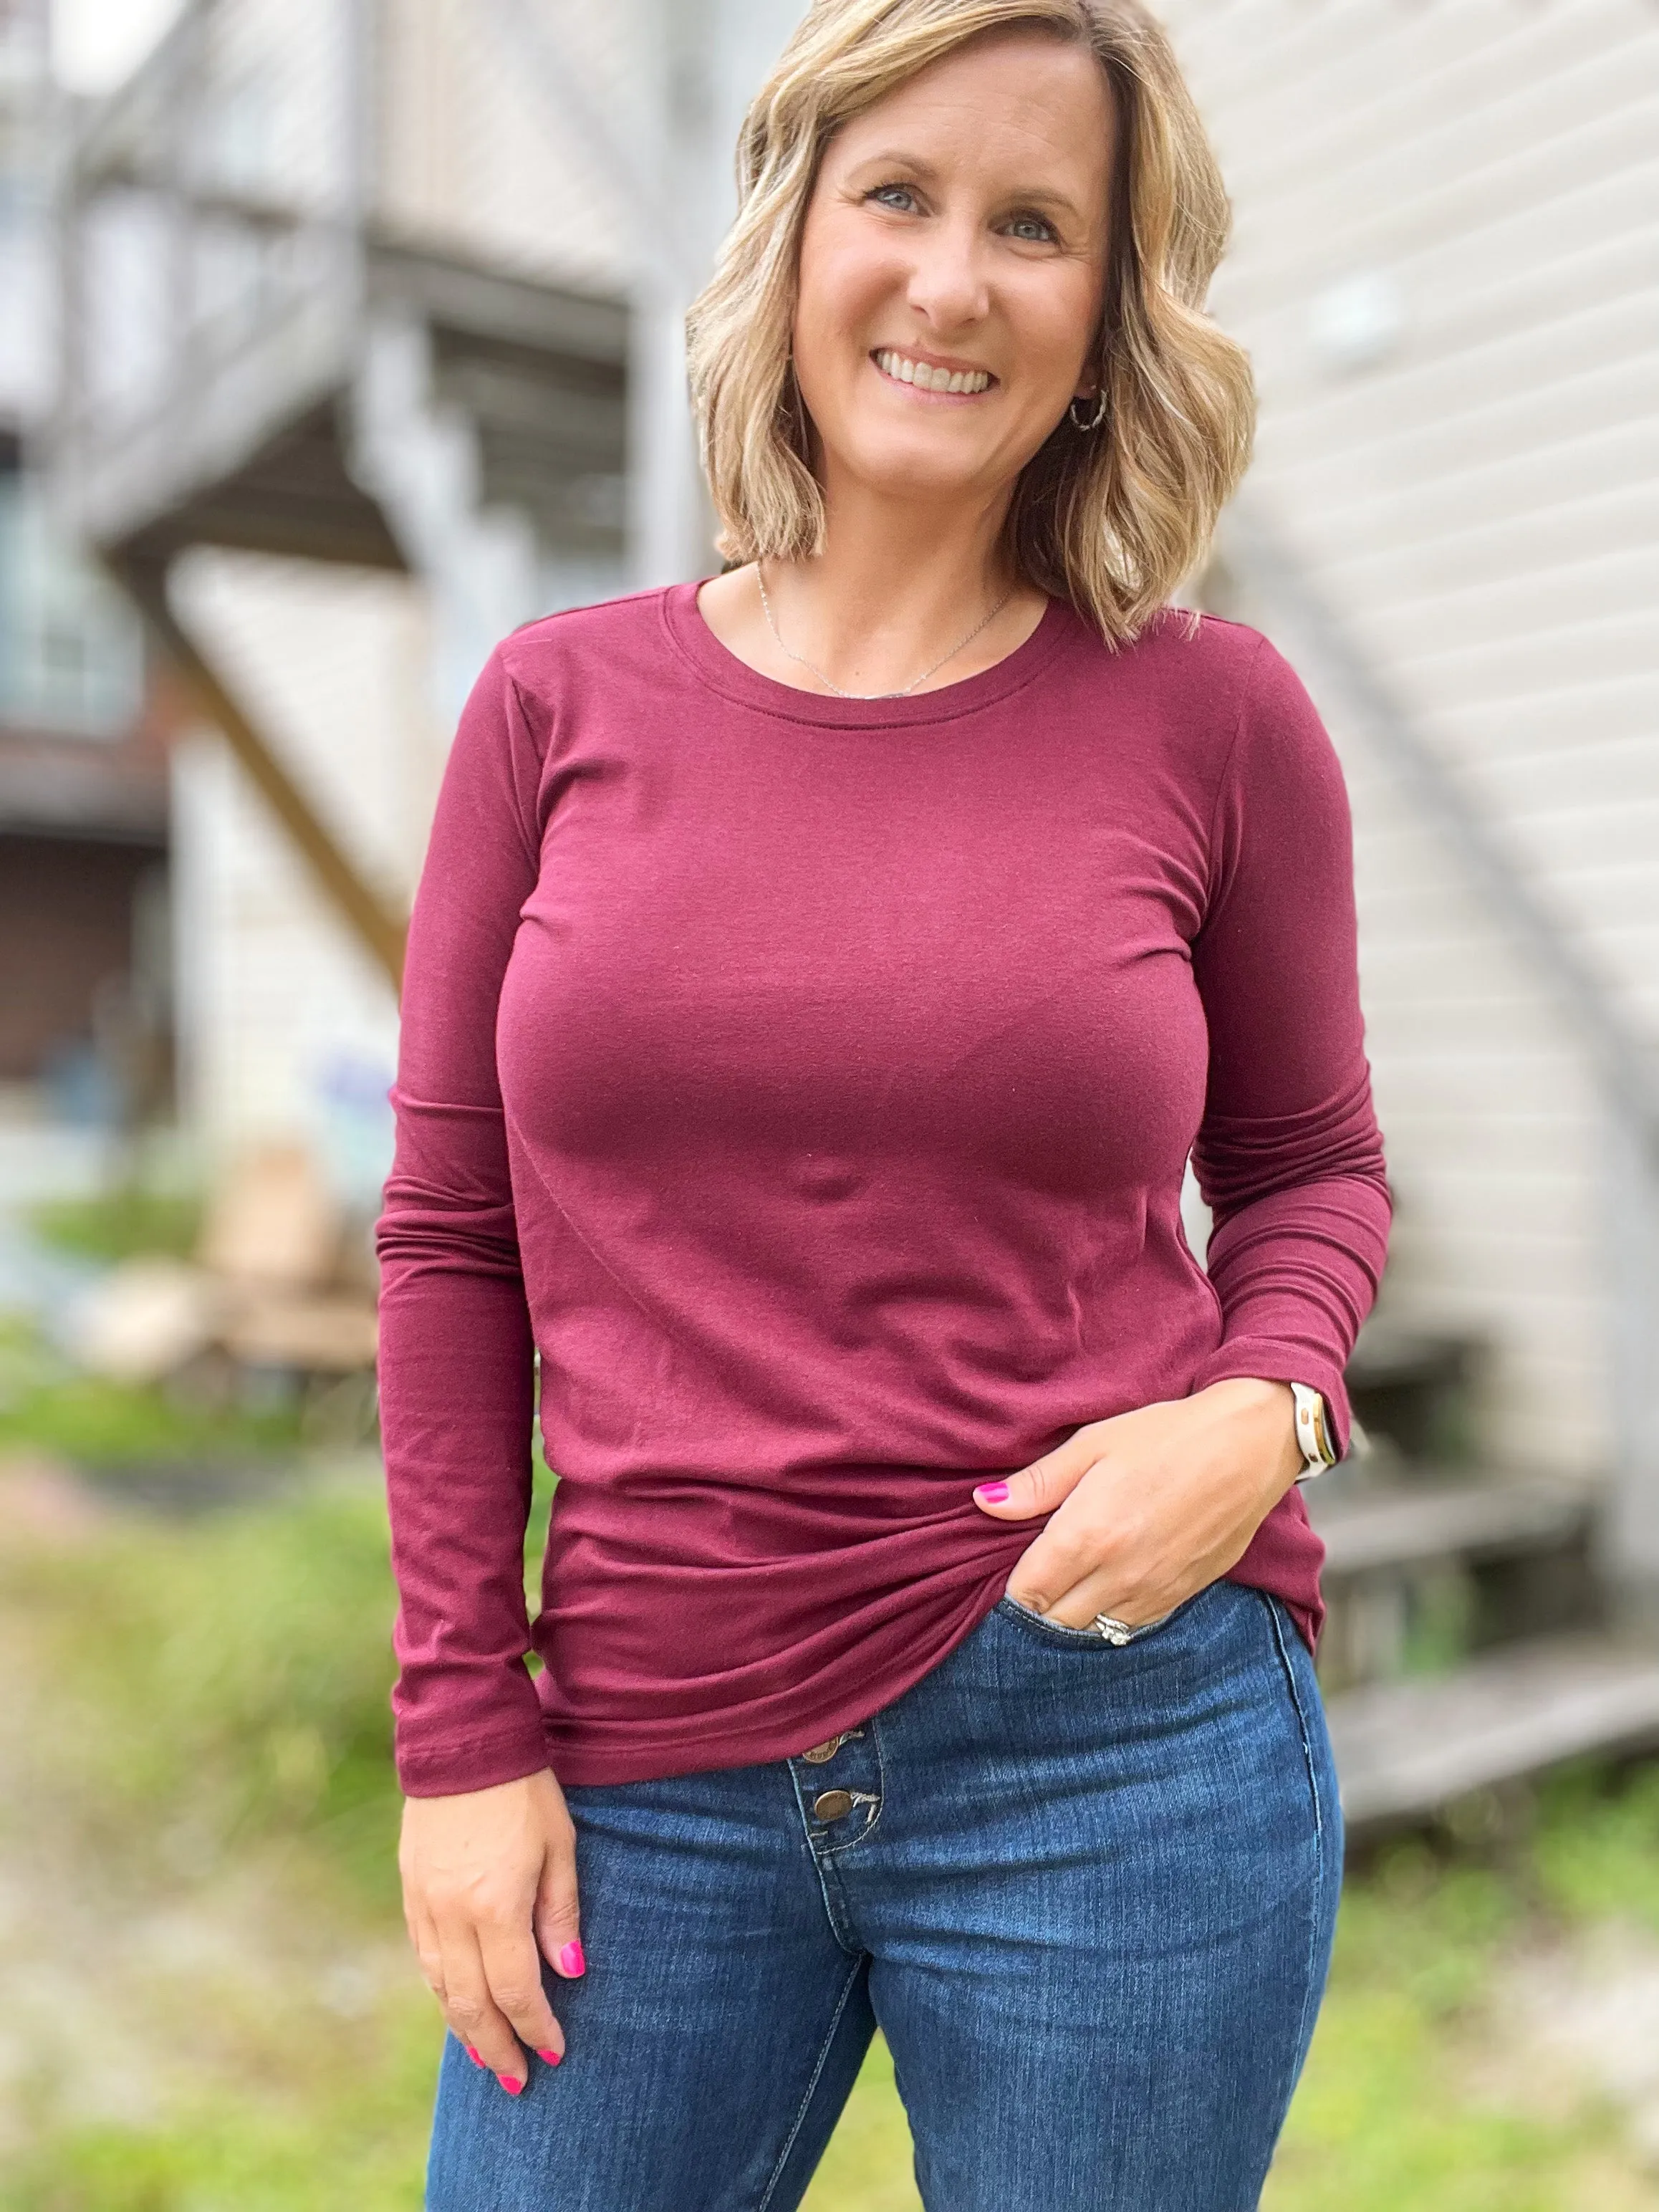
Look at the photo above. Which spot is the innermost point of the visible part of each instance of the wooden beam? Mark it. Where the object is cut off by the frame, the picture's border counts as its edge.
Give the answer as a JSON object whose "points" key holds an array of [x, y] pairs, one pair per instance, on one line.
{"points": [[377, 929]]}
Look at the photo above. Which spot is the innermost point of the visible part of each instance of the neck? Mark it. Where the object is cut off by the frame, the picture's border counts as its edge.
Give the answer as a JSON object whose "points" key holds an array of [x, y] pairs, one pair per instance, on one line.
{"points": [[900, 581]]}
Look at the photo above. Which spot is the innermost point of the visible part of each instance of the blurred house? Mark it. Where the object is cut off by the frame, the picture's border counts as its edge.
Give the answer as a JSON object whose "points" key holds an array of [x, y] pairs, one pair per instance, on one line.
{"points": [[1446, 235], [364, 312], [1447, 226], [84, 960], [369, 354]]}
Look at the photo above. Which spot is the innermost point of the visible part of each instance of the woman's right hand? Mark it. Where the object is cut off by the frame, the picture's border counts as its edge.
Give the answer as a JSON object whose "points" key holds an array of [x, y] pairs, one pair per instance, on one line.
{"points": [[488, 1876]]}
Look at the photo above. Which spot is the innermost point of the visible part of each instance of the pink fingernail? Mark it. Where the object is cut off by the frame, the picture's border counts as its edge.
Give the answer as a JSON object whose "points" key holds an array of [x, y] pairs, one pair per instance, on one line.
{"points": [[993, 1493], [513, 2089], [571, 1958], [472, 2054], [551, 2057]]}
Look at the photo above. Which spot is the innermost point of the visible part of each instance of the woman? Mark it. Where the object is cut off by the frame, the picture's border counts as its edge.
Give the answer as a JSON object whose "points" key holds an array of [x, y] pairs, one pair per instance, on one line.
{"points": [[818, 981]]}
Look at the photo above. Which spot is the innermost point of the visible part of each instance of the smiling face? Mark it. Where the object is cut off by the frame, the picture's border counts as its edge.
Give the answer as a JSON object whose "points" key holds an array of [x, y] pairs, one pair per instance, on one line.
{"points": [[952, 270]]}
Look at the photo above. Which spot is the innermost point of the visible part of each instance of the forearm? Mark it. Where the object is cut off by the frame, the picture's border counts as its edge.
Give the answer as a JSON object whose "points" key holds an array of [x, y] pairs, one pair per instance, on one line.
{"points": [[456, 1385]]}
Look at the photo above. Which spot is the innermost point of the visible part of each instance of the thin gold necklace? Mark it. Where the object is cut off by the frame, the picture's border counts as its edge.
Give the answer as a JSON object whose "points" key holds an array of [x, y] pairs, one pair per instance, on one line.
{"points": [[801, 660]]}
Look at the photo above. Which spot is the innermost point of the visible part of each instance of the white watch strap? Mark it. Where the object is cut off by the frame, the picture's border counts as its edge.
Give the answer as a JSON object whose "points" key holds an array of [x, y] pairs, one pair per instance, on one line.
{"points": [[1312, 1431]]}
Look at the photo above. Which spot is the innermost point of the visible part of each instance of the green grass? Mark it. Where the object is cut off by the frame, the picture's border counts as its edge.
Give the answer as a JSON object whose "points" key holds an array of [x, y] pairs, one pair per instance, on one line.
{"points": [[124, 1222], [355, 2144], [237, 1685], [220, 1687], [120, 1224], [1383, 2118], [48, 1406]]}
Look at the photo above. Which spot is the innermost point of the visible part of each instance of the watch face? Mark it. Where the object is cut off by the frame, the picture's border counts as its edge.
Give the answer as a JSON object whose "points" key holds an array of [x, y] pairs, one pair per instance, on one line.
{"points": [[1311, 1428]]}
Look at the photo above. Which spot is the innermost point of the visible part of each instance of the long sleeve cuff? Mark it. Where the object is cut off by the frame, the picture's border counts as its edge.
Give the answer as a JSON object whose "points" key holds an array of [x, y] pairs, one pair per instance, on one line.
{"points": [[1273, 1360], [451, 1758]]}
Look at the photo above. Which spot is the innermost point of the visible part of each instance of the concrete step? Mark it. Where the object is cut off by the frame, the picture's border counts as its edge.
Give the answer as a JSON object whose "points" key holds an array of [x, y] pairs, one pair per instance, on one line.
{"points": [[1369, 1528], [1406, 1749], [1411, 1388]]}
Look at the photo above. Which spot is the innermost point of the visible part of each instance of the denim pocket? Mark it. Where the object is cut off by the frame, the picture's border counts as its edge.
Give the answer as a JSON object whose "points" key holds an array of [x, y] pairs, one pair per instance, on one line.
{"points": [[1060, 1631]]}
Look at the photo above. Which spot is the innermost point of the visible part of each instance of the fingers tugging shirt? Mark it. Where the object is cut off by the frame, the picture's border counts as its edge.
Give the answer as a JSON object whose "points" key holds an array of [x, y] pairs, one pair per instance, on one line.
{"points": [[812, 1080]]}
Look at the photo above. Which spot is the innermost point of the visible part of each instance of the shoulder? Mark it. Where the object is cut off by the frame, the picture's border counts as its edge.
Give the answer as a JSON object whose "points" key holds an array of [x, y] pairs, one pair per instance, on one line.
{"points": [[1215, 639], [1216, 663], [538, 685], [1204, 692], [1194, 668], [1240, 718], [544, 656], [1251, 695], [1278, 762]]}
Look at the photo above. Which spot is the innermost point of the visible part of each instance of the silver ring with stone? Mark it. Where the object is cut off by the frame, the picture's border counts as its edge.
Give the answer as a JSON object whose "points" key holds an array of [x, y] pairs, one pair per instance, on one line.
{"points": [[1115, 1632]]}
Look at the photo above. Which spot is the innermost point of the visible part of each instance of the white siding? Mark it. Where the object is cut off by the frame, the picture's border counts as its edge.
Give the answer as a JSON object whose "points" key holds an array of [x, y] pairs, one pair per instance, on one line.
{"points": [[1481, 506], [476, 152]]}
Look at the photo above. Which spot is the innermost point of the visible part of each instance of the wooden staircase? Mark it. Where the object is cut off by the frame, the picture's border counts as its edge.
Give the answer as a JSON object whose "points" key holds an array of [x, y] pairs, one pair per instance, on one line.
{"points": [[1469, 1642]]}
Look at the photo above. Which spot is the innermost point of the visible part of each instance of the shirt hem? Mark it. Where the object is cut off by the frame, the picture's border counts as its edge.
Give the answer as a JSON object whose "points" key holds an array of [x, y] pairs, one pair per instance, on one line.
{"points": [[701, 1749]]}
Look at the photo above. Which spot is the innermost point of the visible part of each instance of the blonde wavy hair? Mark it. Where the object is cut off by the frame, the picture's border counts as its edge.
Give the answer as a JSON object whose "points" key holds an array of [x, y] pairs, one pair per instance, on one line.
{"points": [[1111, 521]]}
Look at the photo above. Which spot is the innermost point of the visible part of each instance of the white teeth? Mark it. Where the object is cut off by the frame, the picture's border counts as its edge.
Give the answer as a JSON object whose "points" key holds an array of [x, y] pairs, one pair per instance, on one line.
{"points": [[921, 372]]}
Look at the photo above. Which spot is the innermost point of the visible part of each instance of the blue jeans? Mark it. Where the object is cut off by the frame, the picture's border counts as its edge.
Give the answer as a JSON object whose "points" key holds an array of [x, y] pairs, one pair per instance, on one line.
{"points": [[1087, 1891]]}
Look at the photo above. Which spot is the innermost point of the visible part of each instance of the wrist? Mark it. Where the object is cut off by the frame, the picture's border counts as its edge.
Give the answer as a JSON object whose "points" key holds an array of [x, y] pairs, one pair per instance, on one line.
{"points": [[1271, 1403], [1256, 1393]]}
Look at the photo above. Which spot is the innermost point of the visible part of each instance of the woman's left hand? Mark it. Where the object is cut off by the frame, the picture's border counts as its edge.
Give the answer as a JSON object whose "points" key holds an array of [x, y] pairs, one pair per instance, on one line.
{"points": [[1148, 1507]]}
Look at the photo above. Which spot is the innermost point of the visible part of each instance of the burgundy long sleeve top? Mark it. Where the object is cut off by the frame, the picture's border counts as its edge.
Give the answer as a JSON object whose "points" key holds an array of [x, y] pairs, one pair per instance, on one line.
{"points": [[811, 1081]]}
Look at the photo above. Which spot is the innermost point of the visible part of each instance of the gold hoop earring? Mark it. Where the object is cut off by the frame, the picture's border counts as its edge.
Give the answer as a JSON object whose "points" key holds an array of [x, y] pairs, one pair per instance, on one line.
{"points": [[1095, 419]]}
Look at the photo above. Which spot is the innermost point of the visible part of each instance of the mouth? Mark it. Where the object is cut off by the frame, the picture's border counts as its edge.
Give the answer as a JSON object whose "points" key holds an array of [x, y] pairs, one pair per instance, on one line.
{"points": [[949, 379]]}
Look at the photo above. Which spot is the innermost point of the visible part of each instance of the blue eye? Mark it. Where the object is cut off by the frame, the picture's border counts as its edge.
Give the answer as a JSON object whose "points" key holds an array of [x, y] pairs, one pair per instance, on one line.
{"points": [[1034, 227], [881, 192]]}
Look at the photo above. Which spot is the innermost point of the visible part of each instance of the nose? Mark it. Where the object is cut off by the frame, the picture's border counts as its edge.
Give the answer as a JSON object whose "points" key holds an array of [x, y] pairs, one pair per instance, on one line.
{"points": [[947, 287]]}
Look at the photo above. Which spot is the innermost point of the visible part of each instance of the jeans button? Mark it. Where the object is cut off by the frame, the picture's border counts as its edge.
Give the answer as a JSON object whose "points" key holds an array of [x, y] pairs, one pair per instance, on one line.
{"points": [[832, 1804], [820, 1752]]}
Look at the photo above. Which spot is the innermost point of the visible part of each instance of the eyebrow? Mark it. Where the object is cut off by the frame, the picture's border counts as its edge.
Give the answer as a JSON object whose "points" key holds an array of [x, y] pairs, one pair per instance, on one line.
{"points": [[1028, 195]]}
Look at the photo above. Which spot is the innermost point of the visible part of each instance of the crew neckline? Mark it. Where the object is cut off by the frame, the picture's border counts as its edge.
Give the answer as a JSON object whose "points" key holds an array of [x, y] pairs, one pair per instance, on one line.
{"points": [[735, 679]]}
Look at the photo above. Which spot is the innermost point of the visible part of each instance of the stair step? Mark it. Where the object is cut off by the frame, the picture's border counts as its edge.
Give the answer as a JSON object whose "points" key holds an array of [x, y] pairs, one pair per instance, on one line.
{"points": [[1367, 1529], [1412, 1387], [1404, 1749]]}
